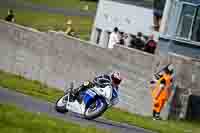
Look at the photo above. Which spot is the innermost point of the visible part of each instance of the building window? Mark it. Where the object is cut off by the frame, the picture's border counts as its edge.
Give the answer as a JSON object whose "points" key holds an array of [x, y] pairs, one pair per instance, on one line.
{"points": [[196, 27], [185, 22], [189, 23]]}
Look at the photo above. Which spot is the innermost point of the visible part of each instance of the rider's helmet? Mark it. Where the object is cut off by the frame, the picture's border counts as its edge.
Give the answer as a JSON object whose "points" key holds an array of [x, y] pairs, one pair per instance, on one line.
{"points": [[116, 78]]}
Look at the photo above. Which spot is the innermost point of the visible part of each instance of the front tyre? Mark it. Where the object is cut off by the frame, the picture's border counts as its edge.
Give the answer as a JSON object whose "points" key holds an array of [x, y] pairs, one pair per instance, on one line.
{"points": [[61, 104], [95, 109]]}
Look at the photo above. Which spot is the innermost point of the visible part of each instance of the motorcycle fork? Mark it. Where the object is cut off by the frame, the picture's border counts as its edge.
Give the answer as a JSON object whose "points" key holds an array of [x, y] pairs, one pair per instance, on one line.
{"points": [[69, 95]]}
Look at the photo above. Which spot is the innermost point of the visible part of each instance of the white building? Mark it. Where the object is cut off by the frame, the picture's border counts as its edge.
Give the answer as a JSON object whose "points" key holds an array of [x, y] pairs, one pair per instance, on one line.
{"points": [[130, 16]]}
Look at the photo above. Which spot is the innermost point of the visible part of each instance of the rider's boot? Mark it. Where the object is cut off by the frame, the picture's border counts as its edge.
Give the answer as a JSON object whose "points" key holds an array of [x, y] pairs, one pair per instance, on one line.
{"points": [[80, 98], [76, 93]]}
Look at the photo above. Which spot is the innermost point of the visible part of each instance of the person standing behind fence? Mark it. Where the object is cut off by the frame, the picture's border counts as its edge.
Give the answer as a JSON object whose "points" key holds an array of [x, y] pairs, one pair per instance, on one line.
{"points": [[122, 37], [139, 41], [11, 16], [132, 41], [151, 45], [114, 38]]}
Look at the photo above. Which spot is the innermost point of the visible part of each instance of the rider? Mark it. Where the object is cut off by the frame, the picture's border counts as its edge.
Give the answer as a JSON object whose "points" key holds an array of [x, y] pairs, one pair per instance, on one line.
{"points": [[104, 81]]}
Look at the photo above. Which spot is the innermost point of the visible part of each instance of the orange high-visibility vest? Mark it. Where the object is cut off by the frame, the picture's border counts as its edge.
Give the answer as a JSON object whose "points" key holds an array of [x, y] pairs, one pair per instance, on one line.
{"points": [[166, 91]]}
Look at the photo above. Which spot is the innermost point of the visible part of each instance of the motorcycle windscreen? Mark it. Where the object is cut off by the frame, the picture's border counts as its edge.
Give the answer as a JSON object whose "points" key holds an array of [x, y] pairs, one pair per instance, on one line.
{"points": [[89, 97]]}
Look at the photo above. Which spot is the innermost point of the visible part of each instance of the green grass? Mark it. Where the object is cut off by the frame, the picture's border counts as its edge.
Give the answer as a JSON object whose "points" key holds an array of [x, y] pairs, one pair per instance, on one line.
{"points": [[34, 88], [69, 4], [45, 21], [16, 120], [170, 126]]}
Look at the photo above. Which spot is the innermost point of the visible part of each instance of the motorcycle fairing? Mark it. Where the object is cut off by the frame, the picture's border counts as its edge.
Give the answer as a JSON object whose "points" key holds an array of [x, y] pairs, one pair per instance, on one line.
{"points": [[89, 97]]}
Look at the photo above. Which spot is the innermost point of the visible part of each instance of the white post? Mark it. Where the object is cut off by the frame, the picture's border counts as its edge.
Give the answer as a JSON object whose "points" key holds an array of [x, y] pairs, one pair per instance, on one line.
{"points": [[165, 17], [104, 39], [94, 35]]}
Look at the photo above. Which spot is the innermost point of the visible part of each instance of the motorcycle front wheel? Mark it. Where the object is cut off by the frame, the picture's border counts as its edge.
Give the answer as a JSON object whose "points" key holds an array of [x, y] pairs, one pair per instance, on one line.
{"points": [[95, 109], [61, 104]]}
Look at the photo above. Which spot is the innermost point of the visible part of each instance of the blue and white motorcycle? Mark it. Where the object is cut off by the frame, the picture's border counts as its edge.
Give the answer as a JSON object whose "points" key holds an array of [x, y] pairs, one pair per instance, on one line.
{"points": [[91, 102]]}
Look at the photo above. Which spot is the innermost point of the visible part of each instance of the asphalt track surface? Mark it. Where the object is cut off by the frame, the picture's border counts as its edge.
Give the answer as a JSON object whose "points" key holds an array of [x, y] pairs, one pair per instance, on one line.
{"points": [[34, 105], [43, 8]]}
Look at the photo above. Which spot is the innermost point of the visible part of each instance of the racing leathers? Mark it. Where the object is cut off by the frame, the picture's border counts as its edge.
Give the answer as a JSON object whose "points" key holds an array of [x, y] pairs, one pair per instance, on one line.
{"points": [[110, 91]]}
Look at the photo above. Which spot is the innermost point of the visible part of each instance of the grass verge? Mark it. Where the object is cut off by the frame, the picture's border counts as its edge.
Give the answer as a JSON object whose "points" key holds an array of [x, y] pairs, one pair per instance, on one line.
{"points": [[15, 120], [170, 126], [35, 88], [70, 4], [45, 21]]}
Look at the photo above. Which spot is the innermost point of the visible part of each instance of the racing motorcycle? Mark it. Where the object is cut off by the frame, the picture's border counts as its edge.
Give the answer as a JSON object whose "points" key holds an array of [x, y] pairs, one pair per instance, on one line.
{"points": [[91, 102]]}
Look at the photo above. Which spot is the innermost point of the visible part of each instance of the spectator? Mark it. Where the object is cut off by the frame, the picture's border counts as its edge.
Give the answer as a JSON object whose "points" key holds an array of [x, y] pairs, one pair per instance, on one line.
{"points": [[150, 45], [11, 16], [69, 29], [121, 38], [145, 38], [114, 38], [127, 39], [139, 41], [132, 41]]}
